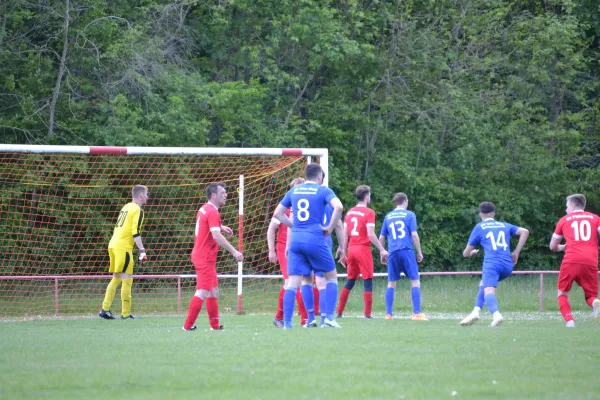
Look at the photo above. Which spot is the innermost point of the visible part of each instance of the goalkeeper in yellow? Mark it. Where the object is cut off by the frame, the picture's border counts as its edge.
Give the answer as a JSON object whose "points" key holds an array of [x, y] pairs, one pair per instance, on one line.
{"points": [[120, 250]]}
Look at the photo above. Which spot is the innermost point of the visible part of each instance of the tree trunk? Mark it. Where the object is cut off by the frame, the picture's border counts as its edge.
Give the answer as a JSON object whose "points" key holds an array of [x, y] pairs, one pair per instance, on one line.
{"points": [[61, 71]]}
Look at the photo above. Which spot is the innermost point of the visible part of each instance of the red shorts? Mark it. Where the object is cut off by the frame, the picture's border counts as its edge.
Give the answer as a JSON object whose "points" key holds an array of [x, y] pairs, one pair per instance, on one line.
{"points": [[360, 262], [282, 259], [585, 275], [206, 276]]}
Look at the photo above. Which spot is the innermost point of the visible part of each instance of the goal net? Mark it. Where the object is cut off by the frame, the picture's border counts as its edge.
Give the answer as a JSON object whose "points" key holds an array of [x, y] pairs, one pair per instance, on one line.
{"points": [[59, 205]]}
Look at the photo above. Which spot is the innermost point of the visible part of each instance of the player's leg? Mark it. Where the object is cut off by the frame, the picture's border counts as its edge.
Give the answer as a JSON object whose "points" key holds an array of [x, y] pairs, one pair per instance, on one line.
{"points": [[321, 286], [278, 321], [321, 260], [353, 274], [308, 298], [212, 306], [202, 290], [127, 283], [366, 270], [490, 278], [117, 258], [411, 270], [393, 267], [565, 281], [588, 280], [298, 266], [317, 296], [474, 316]]}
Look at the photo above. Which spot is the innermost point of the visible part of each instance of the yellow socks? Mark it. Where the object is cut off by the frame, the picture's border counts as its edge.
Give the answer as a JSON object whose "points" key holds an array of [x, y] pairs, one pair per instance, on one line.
{"points": [[126, 297], [110, 293]]}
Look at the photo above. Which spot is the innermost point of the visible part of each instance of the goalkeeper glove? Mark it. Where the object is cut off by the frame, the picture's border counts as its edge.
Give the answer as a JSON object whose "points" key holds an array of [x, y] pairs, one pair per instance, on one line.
{"points": [[143, 257]]}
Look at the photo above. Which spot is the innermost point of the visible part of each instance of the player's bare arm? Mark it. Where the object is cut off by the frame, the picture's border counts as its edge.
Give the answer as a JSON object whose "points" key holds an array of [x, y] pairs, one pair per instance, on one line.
{"points": [[523, 234], [281, 217], [140, 246], [335, 217], [376, 243], [340, 254], [228, 231], [220, 239], [382, 259], [470, 251], [271, 239], [417, 243], [555, 244]]}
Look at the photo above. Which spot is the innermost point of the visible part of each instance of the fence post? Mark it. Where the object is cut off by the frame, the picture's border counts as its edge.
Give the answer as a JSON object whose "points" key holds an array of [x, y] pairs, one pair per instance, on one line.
{"points": [[541, 292], [56, 296], [178, 294]]}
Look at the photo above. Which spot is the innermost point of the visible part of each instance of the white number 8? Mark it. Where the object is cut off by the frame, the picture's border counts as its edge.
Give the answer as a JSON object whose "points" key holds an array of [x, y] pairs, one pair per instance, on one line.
{"points": [[303, 213]]}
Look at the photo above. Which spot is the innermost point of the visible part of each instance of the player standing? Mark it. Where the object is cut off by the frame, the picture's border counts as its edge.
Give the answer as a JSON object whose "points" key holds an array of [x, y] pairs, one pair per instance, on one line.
{"points": [[207, 240], [580, 230], [400, 228], [120, 250], [359, 234], [307, 250], [498, 262], [277, 254]]}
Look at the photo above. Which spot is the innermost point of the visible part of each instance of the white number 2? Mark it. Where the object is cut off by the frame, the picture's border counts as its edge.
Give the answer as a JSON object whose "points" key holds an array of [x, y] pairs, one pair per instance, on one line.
{"points": [[302, 212], [582, 231], [500, 241], [354, 231]]}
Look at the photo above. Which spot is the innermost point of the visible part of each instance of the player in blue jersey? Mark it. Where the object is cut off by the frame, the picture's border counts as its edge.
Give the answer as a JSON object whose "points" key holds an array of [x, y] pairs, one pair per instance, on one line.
{"points": [[498, 262], [400, 229], [308, 251]]}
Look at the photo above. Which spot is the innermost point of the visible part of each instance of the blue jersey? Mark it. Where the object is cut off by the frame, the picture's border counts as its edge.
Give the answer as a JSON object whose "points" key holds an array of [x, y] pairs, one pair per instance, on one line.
{"points": [[398, 226], [494, 237], [308, 202]]}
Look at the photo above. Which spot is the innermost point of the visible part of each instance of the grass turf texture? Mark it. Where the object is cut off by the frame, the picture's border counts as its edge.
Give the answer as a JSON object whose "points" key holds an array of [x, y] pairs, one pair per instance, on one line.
{"points": [[531, 356]]}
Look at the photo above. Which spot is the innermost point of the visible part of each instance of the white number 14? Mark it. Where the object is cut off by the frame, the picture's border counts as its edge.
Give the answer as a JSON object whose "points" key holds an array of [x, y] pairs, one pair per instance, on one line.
{"points": [[500, 241]]}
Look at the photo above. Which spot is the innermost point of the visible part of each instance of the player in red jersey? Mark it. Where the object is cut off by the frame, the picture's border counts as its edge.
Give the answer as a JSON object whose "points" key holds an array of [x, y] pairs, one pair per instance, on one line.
{"points": [[208, 238], [580, 230], [277, 254], [360, 233]]}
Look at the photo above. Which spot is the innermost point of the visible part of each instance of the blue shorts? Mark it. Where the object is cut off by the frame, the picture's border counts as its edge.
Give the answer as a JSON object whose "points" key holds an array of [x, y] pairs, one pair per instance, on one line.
{"points": [[402, 261], [494, 273], [304, 258]]}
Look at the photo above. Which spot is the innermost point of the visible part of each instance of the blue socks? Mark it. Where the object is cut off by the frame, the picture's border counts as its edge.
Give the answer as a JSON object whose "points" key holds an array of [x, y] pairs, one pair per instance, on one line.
{"points": [[309, 301], [289, 301], [323, 304], [415, 293], [491, 302], [479, 299], [331, 294], [389, 300]]}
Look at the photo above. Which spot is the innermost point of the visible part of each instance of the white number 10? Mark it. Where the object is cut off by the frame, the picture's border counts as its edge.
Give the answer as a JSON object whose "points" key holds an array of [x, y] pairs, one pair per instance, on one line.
{"points": [[582, 231]]}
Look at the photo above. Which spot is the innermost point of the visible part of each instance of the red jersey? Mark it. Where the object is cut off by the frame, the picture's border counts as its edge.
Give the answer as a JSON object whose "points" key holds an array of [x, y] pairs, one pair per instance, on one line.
{"points": [[580, 230], [206, 248], [356, 220], [282, 232]]}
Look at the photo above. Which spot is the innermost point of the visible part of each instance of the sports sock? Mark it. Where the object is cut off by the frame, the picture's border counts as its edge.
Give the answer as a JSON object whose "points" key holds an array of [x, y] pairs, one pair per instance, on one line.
{"points": [[343, 299], [480, 298], [331, 294], [322, 304], [126, 297], [590, 301], [212, 309], [565, 308], [289, 298], [309, 301], [415, 294], [193, 311], [301, 308], [389, 300], [491, 302], [317, 303], [368, 299], [279, 314], [111, 289]]}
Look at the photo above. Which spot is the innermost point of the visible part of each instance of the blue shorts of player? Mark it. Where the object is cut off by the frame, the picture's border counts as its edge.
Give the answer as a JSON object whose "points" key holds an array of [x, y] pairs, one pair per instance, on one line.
{"points": [[402, 261], [304, 258], [494, 273]]}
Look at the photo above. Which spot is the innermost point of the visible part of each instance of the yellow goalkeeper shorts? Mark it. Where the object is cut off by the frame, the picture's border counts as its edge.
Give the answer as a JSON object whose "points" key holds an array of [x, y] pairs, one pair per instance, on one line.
{"points": [[121, 261]]}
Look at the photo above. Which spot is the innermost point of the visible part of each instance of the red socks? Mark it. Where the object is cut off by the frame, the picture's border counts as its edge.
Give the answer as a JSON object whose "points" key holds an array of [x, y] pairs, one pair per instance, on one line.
{"points": [[368, 298], [193, 311], [343, 300], [301, 308], [317, 298], [279, 314], [565, 308], [212, 309], [590, 301]]}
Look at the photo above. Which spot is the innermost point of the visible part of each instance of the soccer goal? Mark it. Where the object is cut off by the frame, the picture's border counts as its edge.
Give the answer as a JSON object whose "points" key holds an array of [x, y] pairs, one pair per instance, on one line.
{"points": [[59, 205]]}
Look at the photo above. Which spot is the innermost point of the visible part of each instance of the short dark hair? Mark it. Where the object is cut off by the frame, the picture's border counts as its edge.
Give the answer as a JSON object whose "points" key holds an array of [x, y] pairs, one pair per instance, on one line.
{"points": [[312, 171], [578, 200], [212, 188], [486, 207], [400, 198], [362, 191]]}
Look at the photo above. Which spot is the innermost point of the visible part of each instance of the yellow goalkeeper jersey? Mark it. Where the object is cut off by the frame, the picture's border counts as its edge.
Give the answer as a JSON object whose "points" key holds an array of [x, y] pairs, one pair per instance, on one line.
{"points": [[129, 225]]}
